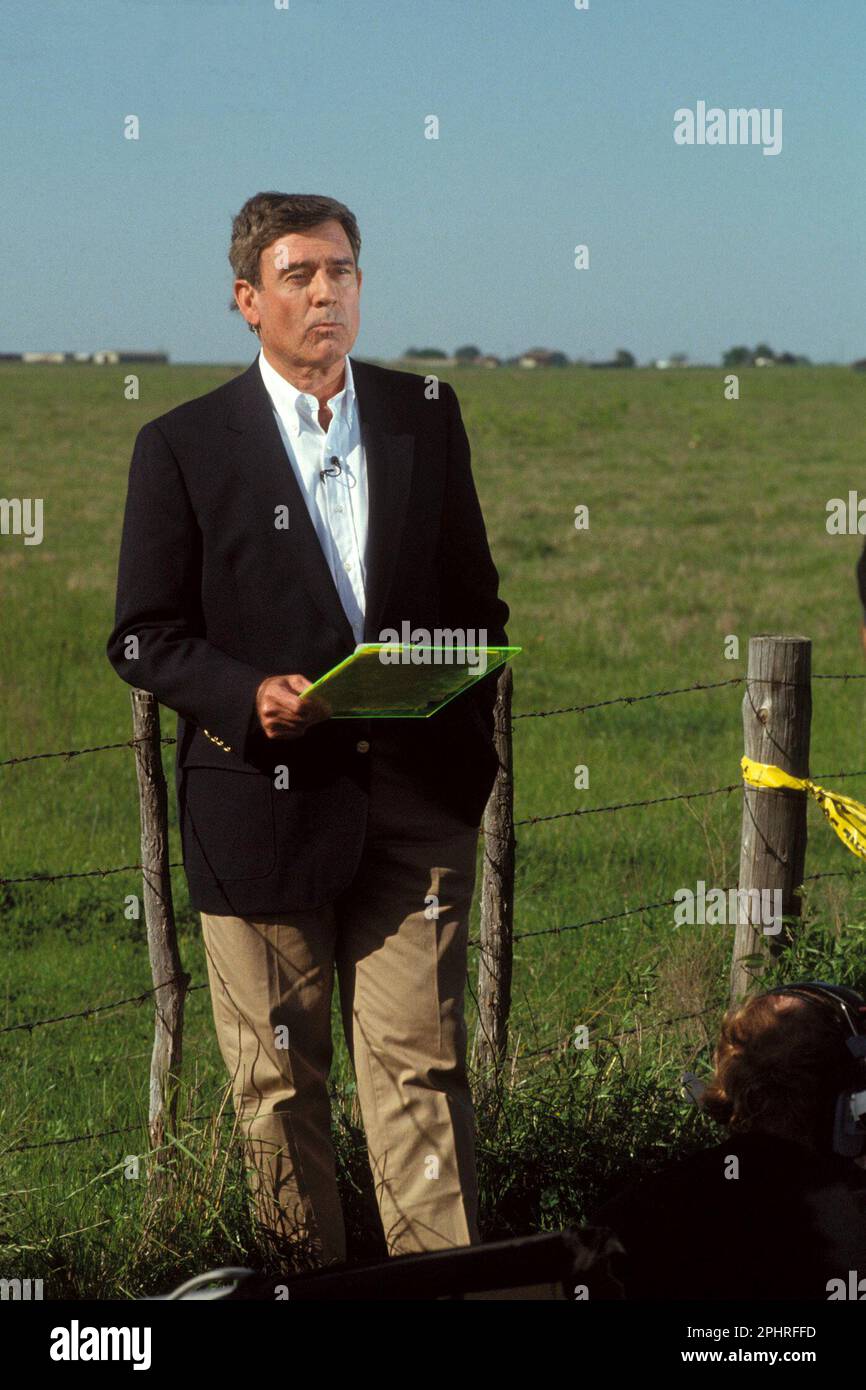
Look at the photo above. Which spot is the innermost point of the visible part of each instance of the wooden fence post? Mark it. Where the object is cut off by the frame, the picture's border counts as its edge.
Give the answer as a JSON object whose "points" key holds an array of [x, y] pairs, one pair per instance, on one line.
{"points": [[165, 963], [497, 893], [777, 712]]}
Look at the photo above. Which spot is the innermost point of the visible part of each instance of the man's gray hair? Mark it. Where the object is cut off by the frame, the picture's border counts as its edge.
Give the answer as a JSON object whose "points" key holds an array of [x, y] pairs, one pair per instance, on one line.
{"points": [[267, 216]]}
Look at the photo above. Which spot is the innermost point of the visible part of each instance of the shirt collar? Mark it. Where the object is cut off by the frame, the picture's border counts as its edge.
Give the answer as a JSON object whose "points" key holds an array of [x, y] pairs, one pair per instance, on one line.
{"points": [[301, 407]]}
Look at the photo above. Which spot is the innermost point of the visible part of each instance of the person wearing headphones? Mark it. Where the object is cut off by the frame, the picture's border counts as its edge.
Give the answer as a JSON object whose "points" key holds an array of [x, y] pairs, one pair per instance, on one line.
{"points": [[777, 1210]]}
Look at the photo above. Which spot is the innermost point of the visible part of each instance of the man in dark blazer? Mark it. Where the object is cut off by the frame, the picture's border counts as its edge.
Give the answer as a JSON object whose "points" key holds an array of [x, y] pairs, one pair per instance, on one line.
{"points": [[315, 846]]}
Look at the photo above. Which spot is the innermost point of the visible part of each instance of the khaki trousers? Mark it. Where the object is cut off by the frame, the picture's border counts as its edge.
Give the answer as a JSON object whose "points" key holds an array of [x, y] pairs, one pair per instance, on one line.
{"points": [[397, 939]]}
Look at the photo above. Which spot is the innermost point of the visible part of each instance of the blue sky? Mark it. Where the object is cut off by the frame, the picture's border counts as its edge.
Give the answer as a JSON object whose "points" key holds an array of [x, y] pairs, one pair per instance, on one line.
{"points": [[556, 128]]}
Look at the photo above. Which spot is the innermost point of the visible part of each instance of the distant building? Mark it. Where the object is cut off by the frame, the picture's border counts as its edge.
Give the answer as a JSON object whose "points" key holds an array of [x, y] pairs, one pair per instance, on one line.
{"points": [[105, 357], [542, 357], [489, 360], [111, 356], [436, 363], [676, 359]]}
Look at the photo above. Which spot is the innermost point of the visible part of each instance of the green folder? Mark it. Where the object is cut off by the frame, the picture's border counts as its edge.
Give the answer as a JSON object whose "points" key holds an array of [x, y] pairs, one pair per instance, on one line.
{"points": [[408, 682]]}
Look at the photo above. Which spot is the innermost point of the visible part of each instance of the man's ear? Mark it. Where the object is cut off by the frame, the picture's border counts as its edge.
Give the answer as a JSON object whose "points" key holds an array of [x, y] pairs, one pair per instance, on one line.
{"points": [[244, 292]]}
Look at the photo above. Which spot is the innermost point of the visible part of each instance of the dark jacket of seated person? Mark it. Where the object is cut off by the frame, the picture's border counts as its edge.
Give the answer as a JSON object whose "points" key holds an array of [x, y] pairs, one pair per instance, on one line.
{"points": [[771, 1212]]}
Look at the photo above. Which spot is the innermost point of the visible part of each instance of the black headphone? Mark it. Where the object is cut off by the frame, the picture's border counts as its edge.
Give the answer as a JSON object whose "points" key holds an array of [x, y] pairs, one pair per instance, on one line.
{"points": [[849, 1008]]}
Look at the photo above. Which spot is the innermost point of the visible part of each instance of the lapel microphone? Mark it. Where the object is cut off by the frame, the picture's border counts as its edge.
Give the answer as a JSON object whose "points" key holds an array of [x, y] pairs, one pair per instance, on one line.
{"points": [[334, 470]]}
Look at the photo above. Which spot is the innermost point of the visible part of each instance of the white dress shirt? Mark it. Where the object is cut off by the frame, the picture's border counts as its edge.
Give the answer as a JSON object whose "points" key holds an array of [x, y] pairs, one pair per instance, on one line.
{"points": [[338, 506]]}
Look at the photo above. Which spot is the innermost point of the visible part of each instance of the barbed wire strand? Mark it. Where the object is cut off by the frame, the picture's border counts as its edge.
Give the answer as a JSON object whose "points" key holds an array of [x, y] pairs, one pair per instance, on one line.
{"points": [[528, 714], [677, 690], [574, 926], [87, 873], [100, 1008], [527, 820], [28, 1026], [563, 1044], [102, 1134], [559, 1044], [77, 752], [658, 800], [651, 907]]}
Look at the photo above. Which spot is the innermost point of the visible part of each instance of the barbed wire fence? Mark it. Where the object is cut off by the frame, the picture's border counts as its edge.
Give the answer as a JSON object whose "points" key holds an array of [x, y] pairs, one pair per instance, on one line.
{"points": [[774, 662]]}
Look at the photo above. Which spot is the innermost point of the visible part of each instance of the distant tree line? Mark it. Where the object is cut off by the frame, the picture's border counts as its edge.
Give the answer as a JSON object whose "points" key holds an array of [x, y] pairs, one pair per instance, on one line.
{"points": [[762, 356], [471, 354]]}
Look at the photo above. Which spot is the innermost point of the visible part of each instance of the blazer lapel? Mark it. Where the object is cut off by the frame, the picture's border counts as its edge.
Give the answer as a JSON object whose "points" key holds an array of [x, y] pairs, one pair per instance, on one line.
{"points": [[389, 459]]}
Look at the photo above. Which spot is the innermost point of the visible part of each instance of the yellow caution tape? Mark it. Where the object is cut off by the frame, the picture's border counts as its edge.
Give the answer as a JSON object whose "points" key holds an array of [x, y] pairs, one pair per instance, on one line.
{"points": [[847, 816]]}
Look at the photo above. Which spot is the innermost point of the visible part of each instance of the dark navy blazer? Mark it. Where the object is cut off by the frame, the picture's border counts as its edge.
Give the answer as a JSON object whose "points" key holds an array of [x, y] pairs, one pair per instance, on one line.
{"points": [[219, 598]]}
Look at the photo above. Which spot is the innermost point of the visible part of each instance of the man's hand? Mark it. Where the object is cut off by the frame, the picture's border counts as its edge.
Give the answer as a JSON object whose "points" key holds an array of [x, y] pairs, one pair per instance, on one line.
{"points": [[281, 713]]}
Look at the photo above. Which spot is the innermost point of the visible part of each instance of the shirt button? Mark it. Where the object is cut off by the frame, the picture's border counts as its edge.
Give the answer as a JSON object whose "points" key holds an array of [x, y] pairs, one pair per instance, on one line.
{"points": [[362, 746]]}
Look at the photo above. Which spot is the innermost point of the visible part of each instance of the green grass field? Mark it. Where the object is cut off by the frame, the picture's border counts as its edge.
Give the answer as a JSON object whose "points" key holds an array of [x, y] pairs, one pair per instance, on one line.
{"points": [[707, 518]]}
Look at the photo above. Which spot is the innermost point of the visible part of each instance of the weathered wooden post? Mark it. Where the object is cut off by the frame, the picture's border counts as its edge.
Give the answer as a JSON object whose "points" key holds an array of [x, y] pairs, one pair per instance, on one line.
{"points": [[497, 894], [162, 946], [777, 712]]}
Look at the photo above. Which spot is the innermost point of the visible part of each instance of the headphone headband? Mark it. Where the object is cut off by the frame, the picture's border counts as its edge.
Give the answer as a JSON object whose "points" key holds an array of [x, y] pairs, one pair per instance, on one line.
{"points": [[848, 1005], [849, 1120]]}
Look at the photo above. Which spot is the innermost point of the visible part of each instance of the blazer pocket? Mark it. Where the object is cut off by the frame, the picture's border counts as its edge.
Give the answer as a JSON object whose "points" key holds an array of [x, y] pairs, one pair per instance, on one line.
{"points": [[227, 823]]}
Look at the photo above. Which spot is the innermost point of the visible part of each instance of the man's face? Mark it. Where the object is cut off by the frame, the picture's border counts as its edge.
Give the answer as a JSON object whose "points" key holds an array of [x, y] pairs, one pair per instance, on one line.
{"points": [[308, 279]]}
